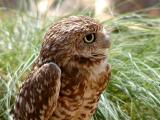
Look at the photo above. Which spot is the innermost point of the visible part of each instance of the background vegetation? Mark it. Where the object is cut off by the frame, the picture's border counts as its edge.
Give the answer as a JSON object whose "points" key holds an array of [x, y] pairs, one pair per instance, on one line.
{"points": [[134, 90]]}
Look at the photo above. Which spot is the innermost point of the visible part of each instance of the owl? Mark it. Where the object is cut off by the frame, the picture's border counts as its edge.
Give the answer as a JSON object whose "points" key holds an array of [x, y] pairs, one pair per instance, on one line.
{"points": [[69, 74]]}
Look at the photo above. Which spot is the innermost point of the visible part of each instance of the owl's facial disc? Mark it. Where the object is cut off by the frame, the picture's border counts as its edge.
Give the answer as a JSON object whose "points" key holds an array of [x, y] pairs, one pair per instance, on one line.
{"points": [[94, 45], [102, 45]]}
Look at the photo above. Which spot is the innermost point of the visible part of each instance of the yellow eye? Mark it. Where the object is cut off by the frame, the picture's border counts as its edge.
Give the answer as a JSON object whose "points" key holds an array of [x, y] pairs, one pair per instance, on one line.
{"points": [[90, 38]]}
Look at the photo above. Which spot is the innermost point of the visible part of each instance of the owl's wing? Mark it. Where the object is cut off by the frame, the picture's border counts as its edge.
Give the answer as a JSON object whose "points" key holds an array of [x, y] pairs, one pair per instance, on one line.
{"points": [[38, 95]]}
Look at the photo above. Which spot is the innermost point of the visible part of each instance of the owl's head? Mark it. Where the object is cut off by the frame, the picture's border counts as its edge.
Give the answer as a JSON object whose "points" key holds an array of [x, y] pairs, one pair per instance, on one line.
{"points": [[75, 41]]}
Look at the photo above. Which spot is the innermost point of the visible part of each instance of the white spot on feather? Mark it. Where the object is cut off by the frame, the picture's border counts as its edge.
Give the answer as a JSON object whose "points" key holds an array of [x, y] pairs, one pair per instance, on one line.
{"points": [[40, 97], [25, 93], [50, 102], [42, 117], [44, 107], [19, 99], [42, 112], [27, 107], [38, 90]]}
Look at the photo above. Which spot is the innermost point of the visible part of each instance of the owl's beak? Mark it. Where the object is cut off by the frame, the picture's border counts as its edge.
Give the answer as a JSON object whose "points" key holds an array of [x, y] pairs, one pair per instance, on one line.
{"points": [[107, 42]]}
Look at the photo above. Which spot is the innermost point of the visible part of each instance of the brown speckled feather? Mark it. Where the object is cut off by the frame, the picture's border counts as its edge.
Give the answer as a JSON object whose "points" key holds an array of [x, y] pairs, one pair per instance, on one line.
{"points": [[69, 75], [39, 94]]}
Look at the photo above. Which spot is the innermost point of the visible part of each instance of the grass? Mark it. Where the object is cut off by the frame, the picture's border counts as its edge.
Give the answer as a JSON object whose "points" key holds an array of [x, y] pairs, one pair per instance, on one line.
{"points": [[134, 90]]}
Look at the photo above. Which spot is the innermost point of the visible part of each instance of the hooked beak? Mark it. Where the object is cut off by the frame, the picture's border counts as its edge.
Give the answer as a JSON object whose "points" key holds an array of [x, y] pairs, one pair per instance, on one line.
{"points": [[107, 42]]}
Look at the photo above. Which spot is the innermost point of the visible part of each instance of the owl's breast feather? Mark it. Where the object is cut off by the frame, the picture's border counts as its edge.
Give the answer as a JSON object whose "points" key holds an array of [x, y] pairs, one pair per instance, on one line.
{"points": [[80, 93]]}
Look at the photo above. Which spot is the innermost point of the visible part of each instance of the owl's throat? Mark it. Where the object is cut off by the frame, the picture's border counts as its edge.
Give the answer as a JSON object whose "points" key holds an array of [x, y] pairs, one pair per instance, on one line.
{"points": [[89, 61]]}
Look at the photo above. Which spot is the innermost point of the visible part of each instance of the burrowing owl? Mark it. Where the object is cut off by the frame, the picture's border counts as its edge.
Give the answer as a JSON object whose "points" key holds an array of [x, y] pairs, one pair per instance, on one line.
{"points": [[69, 75]]}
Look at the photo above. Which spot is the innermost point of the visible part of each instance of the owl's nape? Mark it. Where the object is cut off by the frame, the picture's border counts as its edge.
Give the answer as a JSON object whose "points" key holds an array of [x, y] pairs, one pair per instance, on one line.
{"points": [[38, 96]]}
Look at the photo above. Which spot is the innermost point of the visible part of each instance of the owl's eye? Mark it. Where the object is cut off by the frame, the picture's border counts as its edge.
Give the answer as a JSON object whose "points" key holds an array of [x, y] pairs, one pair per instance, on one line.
{"points": [[90, 38]]}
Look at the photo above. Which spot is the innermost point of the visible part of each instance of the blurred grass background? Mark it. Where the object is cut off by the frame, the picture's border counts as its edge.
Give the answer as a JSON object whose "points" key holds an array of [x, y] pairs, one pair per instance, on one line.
{"points": [[134, 90]]}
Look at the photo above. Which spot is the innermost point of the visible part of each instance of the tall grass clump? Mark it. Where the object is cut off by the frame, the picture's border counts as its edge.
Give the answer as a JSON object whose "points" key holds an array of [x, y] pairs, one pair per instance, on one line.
{"points": [[134, 89]]}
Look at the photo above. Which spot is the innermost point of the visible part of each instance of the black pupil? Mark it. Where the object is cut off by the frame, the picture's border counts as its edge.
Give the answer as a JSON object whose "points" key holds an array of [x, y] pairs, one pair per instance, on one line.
{"points": [[89, 37]]}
